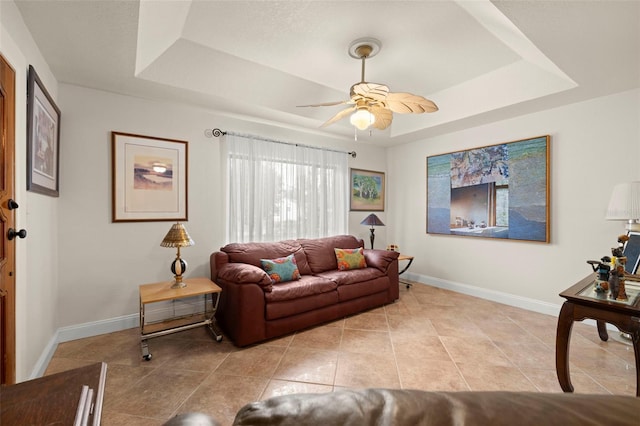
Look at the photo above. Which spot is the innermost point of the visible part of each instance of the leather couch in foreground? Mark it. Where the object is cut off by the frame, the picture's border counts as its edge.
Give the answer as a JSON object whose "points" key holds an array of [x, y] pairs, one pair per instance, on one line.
{"points": [[395, 407], [253, 307]]}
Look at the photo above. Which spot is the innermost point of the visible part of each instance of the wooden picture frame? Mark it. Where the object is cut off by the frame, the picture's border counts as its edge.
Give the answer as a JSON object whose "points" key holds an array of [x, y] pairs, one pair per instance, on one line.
{"points": [[496, 191], [367, 190], [43, 138], [149, 178]]}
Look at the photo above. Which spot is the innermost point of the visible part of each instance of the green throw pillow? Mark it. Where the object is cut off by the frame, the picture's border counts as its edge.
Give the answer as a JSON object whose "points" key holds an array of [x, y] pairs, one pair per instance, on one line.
{"points": [[350, 259], [282, 269]]}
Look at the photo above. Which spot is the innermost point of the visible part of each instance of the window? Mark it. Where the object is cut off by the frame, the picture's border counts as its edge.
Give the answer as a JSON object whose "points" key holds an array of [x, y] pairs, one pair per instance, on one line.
{"points": [[279, 191]]}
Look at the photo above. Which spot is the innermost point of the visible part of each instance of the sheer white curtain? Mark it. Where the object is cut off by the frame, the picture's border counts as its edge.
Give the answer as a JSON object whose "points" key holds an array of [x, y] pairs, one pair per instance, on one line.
{"points": [[279, 191]]}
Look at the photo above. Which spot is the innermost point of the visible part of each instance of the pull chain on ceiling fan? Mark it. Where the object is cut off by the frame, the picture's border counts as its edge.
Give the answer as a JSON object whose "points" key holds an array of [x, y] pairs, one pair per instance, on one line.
{"points": [[372, 104]]}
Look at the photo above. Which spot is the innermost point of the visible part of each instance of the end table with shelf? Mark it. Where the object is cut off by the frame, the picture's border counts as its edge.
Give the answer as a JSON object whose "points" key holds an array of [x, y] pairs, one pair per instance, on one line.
{"points": [[410, 259], [162, 292]]}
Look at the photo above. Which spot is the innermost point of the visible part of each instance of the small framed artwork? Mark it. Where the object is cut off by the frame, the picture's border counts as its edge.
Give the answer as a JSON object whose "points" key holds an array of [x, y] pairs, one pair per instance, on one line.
{"points": [[367, 190], [496, 191], [632, 252], [43, 138], [149, 178]]}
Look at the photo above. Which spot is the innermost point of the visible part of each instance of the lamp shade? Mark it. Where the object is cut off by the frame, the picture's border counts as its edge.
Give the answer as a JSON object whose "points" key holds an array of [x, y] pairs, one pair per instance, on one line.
{"points": [[362, 119], [372, 220], [625, 202], [177, 237]]}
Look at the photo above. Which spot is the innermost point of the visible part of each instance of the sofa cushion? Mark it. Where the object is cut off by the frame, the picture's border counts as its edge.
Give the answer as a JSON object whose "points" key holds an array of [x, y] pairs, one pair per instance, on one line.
{"points": [[281, 269], [251, 253], [320, 252], [307, 285], [352, 276], [350, 259]]}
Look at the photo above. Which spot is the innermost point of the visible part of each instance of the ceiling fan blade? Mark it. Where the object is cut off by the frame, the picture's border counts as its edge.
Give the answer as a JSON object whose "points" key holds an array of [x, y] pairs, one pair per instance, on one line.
{"points": [[325, 104], [373, 91], [407, 103], [339, 116], [383, 117]]}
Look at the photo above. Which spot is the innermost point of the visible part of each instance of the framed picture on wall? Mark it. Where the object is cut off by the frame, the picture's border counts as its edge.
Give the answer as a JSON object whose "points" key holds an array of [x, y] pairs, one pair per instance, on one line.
{"points": [[367, 190], [149, 178], [496, 191], [43, 138]]}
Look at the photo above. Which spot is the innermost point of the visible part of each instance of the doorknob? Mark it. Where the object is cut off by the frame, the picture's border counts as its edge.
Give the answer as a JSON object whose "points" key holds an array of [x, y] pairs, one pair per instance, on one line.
{"points": [[11, 204], [12, 233]]}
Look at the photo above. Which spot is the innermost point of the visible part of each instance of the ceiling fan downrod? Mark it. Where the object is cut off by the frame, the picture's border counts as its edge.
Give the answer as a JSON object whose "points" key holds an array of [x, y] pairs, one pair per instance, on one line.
{"points": [[363, 52]]}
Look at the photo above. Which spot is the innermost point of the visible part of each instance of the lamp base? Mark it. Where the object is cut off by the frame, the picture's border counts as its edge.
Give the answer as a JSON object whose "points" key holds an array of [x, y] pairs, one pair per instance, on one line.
{"points": [[178, 267], [178, 283]]}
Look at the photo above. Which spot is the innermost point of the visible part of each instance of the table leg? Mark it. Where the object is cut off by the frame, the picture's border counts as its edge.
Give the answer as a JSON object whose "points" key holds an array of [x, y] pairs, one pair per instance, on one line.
{"points": [[563, 337], [635, 337], [602, 330]]}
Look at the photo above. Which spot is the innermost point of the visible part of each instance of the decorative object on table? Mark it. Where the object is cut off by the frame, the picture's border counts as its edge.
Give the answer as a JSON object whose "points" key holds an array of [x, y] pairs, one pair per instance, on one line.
{"points": [[367, 190], [393, 247], [624, 204], [618, 262], [372, 220], [177, 237], [43, 138], [508, 182], [602, 267], [149, 178]]}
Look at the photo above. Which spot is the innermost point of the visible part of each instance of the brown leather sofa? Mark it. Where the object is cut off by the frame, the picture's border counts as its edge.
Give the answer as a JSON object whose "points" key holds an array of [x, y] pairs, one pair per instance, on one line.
{"points": [[252, 308], [396, 407]]}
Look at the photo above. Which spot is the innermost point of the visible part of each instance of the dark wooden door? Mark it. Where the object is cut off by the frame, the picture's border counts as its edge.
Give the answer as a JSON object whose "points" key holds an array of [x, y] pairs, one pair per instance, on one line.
{"points": [[7, 218]]}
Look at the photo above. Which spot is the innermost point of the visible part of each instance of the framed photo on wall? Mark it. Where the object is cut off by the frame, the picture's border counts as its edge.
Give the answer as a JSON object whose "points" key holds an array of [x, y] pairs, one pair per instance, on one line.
{"points": [[496, 191], [43, 138], [149, 178], [366, 190]]}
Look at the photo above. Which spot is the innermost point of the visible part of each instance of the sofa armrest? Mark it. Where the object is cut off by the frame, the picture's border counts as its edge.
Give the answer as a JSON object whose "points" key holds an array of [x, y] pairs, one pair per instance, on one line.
{"points": [[243, 273], [380, 259]]}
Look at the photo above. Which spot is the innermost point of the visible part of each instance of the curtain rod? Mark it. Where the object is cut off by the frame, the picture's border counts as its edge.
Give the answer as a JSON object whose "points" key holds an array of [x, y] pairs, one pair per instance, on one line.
{"points": [[217, 133]]}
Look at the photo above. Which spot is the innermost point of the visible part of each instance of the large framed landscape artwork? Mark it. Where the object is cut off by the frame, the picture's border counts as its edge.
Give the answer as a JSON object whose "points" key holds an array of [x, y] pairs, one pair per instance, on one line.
{"points": [[495, 191]]}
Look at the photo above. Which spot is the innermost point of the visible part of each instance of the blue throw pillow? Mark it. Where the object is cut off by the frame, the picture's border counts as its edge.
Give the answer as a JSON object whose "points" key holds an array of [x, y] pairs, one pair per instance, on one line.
{"points": [[282, 269]]}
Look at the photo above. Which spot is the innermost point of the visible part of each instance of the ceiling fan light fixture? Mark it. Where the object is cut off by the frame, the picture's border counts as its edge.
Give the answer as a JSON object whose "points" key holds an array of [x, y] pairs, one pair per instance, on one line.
{"points": [[362, 119]]}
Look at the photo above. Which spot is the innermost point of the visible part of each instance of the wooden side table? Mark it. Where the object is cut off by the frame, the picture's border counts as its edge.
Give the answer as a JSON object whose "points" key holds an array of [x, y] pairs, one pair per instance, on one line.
{"points": [[162, 292], [410, 259], [583, 302]]}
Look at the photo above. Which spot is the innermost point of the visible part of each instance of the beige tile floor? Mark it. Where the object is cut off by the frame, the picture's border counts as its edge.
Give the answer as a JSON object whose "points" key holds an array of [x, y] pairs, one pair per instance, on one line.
{"points": [[431, 339]]}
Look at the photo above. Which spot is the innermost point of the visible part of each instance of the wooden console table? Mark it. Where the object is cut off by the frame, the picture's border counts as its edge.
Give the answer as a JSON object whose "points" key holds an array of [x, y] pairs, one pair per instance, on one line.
{"points": [[582, 303], [54, 399]]}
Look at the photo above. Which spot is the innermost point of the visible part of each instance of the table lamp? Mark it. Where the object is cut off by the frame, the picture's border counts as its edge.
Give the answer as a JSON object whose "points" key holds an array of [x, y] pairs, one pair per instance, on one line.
{"points": [[372, 220], [625, 205], [177, 237]]}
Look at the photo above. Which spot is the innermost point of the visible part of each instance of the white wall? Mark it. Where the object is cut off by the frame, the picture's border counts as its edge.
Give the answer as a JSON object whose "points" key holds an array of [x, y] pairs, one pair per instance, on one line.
{"points": [[37, 255], [594, 145]]}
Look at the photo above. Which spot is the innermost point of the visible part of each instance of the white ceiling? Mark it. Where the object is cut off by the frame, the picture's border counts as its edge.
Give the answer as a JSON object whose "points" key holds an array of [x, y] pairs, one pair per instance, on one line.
{"points": [[478, 60]]}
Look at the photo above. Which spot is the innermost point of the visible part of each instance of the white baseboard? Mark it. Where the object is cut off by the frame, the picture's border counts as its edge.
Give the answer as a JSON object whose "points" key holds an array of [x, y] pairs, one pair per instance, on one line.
{"points": [[483, 293]]}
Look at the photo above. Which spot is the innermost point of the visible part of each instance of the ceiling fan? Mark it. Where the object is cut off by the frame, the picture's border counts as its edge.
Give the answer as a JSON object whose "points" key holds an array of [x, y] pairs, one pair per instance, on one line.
{"points": [[372, 104]]}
